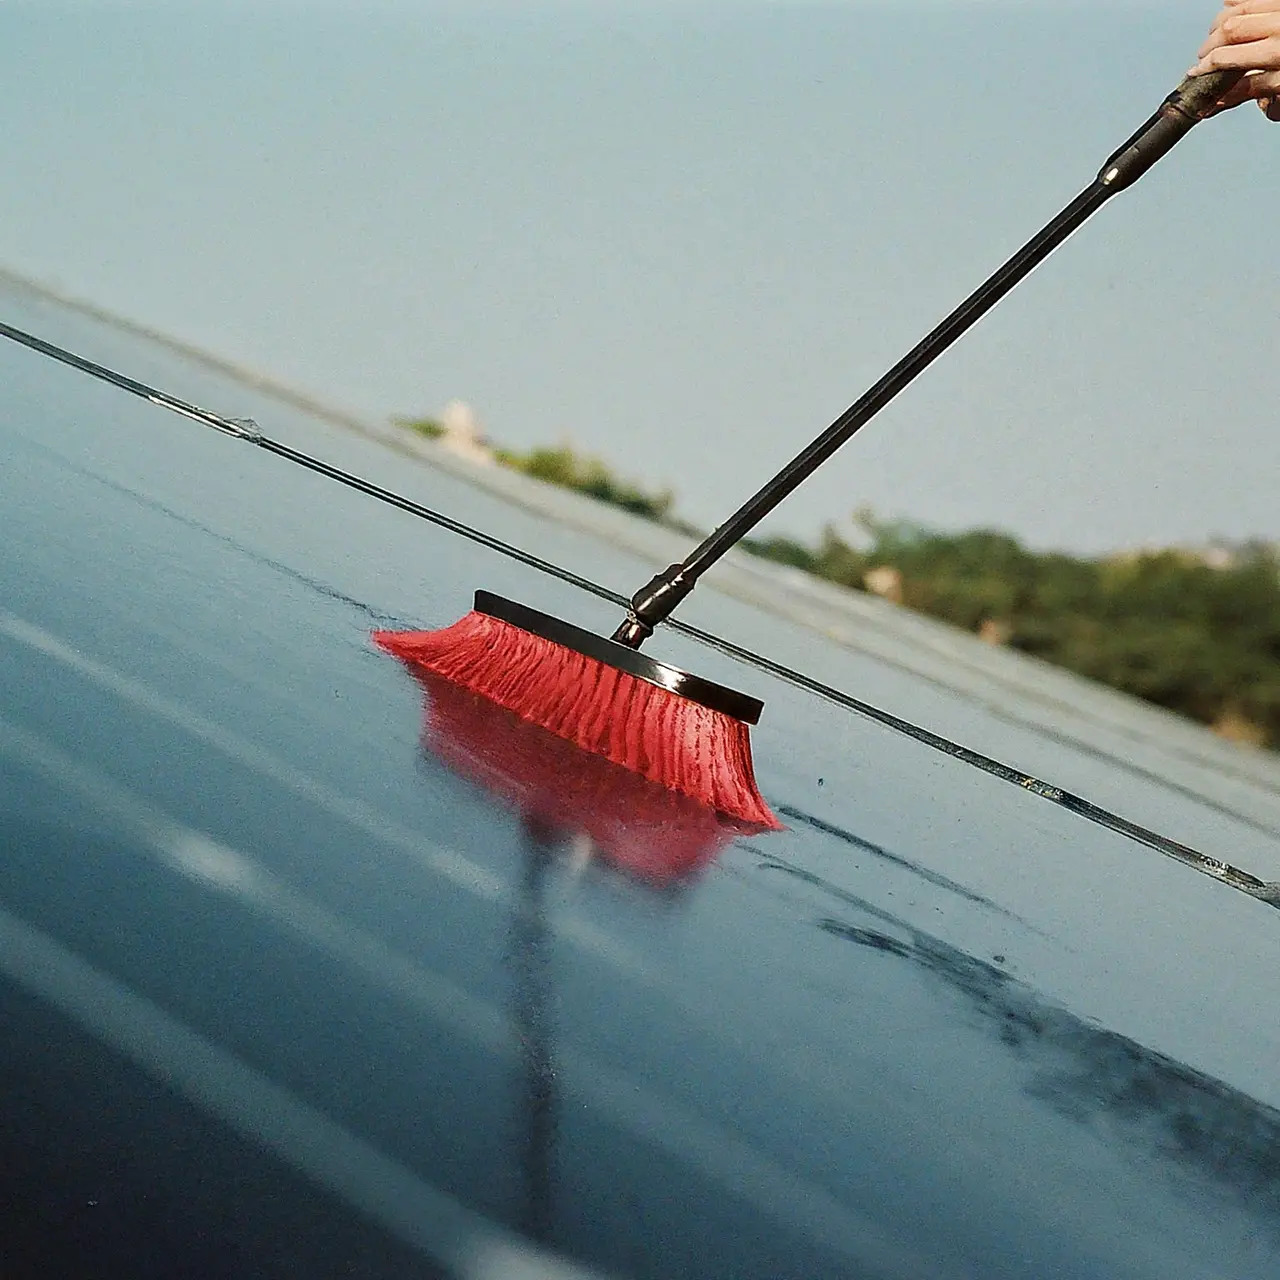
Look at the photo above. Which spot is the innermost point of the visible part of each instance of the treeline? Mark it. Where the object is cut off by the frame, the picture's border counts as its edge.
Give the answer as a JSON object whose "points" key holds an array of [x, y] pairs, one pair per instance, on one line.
{"points": [[1198, 634], [565, 467]]}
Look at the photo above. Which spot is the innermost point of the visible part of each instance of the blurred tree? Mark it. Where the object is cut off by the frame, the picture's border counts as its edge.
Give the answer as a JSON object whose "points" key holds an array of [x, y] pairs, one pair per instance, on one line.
{"points": [[1197, 633]]}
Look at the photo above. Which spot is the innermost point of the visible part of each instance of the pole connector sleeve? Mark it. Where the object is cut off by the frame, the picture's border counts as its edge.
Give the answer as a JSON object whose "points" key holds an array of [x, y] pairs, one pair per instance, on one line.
{"points": [[1193, 100], [652, 604]]}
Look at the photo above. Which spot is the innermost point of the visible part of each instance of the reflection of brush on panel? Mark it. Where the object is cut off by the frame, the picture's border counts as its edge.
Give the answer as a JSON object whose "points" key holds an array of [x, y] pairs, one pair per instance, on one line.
{"points": [[639, 827]]}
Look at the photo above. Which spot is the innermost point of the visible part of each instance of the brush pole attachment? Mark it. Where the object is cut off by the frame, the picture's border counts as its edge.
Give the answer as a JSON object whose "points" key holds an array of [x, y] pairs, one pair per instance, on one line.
{"points": [[1193, 99], [662, 675]]}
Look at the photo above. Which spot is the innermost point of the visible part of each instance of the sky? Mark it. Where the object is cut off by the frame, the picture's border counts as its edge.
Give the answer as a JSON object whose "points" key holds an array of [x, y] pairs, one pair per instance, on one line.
{"points": [[683, 235]]}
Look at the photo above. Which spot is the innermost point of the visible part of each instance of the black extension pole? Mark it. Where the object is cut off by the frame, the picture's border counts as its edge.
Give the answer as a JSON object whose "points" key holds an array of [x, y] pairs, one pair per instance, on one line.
{"points": [[1194, 98]]}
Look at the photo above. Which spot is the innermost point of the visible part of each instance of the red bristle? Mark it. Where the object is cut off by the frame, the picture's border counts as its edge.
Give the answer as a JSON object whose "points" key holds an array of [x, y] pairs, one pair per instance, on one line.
{"points": [[668, 739]]}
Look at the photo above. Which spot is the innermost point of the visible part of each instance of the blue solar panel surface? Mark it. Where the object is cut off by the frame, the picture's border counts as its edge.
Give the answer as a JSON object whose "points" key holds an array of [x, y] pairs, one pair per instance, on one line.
{"points": [[286, 995]]}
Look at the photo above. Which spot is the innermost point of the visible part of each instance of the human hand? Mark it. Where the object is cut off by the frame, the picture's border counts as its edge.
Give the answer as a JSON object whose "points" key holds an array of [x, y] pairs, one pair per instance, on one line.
{"points": [[1245, 36]]}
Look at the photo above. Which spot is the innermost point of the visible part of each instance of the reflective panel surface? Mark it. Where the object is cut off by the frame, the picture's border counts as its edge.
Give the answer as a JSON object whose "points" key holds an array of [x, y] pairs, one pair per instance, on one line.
{"points": [[290, 990]]}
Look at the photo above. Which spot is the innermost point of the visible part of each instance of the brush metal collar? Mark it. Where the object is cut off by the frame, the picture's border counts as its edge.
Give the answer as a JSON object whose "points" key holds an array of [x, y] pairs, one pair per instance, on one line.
{"points": [[704, 692]]}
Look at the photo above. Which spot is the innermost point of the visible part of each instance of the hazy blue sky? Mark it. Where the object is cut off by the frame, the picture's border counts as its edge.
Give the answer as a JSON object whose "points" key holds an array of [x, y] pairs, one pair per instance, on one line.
{"points": [[686, 235]]}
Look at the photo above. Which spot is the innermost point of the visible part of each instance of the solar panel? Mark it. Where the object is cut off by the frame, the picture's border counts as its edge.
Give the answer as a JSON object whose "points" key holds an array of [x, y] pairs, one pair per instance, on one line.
{"points": [[289, 992]]}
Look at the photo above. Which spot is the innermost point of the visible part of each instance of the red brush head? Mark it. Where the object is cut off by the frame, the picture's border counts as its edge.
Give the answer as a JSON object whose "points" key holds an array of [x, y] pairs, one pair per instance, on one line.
{"points": [[683, 733]]}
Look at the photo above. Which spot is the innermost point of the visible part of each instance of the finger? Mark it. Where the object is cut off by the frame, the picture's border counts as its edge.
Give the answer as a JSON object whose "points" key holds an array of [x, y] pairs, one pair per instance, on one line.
{"points": [[1260, 55], [1272, 109], [1241, 28], [1215, 27], [1265, 12]]}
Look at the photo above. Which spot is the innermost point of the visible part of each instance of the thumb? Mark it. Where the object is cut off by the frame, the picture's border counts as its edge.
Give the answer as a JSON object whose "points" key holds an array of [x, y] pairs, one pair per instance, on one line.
{"points": [[1264, 86]]}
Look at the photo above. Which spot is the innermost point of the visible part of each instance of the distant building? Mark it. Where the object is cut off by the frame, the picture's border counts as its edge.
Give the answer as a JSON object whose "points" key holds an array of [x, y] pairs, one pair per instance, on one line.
{"points": [[1218, 557], [884, 580], [995, 631], [463, 434]]}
